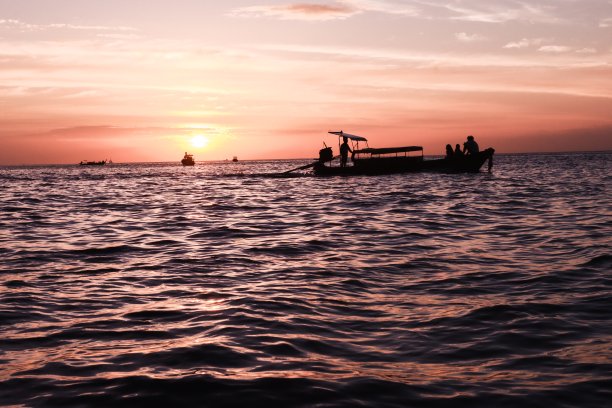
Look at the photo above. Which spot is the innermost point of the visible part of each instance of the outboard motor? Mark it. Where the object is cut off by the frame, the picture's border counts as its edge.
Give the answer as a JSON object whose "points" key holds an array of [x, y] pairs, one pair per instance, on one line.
{"points": [[326, 155]]}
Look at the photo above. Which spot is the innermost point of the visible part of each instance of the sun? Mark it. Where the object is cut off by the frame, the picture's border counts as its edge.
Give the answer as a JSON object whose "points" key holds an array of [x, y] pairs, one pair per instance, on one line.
{"points": [[199, 141]]}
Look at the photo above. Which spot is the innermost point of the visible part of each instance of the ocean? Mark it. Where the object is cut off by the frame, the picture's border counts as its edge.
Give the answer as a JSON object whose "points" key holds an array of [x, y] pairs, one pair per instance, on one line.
{"points": [[160, 285]]}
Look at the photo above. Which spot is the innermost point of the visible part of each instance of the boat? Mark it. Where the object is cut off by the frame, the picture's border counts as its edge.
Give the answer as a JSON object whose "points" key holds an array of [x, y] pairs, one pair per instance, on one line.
{"points": [[235, 159], [92, 163], [371, 161], [188, 160]]}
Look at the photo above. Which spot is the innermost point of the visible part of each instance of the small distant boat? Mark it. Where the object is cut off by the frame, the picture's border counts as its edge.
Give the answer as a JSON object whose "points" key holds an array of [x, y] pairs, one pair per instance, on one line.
{"points": [[92, 163], [235, 159], [188, 160]]}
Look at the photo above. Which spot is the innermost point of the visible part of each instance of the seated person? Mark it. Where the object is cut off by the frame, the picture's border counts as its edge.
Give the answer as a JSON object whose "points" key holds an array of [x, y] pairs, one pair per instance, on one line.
{"points": [[458, 152], [449, 151], [470, 147]]}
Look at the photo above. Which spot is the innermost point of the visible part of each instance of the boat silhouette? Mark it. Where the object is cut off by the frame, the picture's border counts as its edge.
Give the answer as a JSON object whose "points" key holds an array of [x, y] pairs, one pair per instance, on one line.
{"points": [[188, 160], [92, 163], [389, 160]]}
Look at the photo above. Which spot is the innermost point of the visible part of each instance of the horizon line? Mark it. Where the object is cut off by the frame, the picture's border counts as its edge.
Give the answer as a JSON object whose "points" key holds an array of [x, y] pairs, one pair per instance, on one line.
{"points": [[297, 158]]}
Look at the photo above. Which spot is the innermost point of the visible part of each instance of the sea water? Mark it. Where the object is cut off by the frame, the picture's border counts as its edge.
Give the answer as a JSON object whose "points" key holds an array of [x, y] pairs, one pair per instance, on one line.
{"points": [[216, 285]]}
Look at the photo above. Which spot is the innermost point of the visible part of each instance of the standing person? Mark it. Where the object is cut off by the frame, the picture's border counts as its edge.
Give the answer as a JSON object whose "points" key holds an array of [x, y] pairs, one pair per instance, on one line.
{"points": [[344, 151], [470, 147]]}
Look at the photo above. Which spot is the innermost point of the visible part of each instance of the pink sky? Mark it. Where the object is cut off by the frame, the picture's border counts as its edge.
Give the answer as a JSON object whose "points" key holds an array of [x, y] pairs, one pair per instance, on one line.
{"points": [[138, 80]]}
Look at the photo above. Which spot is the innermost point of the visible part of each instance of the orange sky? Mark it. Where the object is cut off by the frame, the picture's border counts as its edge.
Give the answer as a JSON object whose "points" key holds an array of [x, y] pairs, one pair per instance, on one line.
{"points": [[138, 80]]}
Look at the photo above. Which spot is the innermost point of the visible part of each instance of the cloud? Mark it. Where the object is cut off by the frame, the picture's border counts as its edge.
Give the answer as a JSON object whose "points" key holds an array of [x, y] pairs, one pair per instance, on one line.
{"points": [[23, 26], [477, 11], [110, 132], [586, 51], [524, 43], [606, 23], [585, 139], [318, 9], [384, 6], [554, 48], [494, 12], [465, 37], [340, 10], [92, 28], [119, 36], [16, 24], [382, 57], [298, 11]]}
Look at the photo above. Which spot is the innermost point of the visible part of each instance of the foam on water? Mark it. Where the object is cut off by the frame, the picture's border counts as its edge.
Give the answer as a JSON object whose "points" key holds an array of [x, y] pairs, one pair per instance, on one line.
{"points": [[132, 285]]}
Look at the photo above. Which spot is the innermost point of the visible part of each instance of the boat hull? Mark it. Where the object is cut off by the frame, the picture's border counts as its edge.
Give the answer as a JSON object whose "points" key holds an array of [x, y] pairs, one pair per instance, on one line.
{"points": [[374, 166], [102, 163]]}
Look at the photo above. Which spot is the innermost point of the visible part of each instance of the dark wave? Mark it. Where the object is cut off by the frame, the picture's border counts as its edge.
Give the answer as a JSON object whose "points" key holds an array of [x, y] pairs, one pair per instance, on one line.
{"points": [[282, 392]]}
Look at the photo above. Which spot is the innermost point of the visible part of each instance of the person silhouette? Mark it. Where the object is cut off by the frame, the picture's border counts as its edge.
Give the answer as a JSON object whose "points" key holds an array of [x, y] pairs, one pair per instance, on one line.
{"points": [[449, 151], [344, 151], [470, 147], [458, 152]]}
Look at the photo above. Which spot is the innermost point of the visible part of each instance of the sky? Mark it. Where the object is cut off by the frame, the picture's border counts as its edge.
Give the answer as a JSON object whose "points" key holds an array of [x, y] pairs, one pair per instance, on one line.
{"points": [[147, 80]]}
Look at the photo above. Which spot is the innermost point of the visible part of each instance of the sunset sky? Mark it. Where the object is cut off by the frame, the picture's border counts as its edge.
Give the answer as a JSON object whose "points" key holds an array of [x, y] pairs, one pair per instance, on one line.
{"points": [[138, 80]]}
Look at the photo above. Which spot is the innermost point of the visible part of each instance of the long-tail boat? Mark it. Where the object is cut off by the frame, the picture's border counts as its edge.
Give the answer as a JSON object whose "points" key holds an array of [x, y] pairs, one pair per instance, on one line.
{"points": [[371, 161]]}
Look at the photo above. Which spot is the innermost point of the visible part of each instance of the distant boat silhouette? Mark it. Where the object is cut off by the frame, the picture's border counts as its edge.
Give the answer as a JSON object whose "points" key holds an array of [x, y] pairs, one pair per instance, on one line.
{"points": [[188, 160], [92, 163], [235, 159]]}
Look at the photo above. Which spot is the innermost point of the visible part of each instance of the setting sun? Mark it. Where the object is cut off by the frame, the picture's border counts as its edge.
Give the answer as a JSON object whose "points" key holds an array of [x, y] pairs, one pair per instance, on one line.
{"points": [[199, 141]]}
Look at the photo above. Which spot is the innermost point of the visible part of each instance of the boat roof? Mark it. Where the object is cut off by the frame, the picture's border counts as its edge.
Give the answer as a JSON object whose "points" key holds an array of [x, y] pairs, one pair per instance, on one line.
{"points": [[387, 150], [349, 136]]}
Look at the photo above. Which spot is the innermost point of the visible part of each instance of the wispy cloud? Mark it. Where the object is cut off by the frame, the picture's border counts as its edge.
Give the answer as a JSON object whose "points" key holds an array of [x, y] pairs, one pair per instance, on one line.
{"points": [[298, 11], [119, 36], [493, 12], [385, 6], [525, 42], [23, 26], [87, 27], [465, 37], [340, 10], [482, 16], [554, 48], [473, 11], [586, 51], [606, 23], [423, 60]]}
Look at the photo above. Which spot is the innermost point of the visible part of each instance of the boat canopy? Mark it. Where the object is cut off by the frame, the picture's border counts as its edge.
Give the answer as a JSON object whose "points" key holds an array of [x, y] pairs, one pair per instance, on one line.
{"points": [[349, 136], [390, 150]]}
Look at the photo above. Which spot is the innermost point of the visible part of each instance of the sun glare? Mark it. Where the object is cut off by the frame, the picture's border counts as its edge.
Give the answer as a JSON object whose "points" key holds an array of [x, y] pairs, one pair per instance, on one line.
{"points": [[199, 141]]}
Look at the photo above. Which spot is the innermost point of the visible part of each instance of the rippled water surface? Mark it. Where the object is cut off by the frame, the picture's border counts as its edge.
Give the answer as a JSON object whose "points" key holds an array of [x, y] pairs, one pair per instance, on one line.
{"points": [[154, 284]]}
